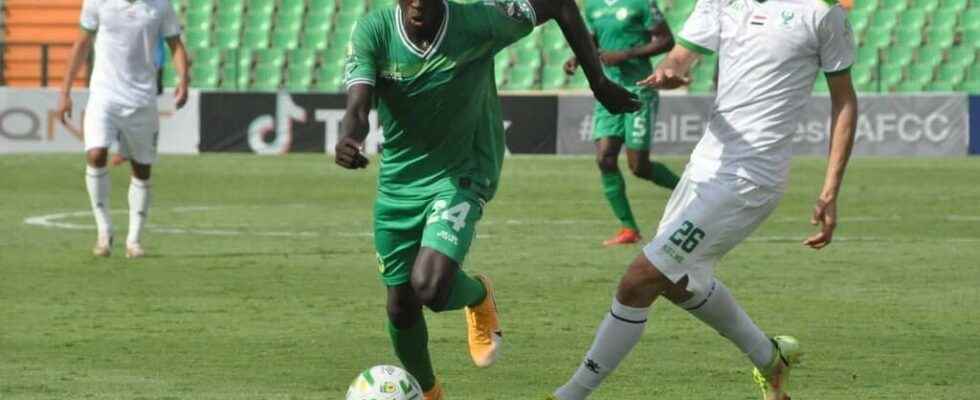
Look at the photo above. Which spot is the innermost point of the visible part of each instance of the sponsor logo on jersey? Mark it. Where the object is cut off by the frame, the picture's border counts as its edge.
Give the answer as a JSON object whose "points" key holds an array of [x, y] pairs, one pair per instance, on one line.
{"points": [[515, 9], [759, 20]]}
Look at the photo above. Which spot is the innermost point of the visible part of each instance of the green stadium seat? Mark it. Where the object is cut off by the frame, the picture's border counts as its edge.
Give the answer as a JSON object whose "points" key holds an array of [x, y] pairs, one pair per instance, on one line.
{"points": [[255, 39], [231, 5], [316, 39], [303, 58], [257, 21], [529, 57], [971, 18], [169, 75], [205, 56], [890, 76], [266, 78], [226, 40], [861, 78], [521, 77], [820, 85], [974, 72], [358, 7], [951, 73], [285, 39], [908, 37], [941, 87], [944, 20], [865, 5], [956, 5], [333, 84], [900, 56], [962, 55], [382, 4], [198, 20], [912, 19], [197, 38], [891, 5], [289, 23], [224, 17], [577, 81], [920, 72], [323, 5], [702, 86], [299, 79], [500, 73], [877, 37], [204, 76], [502, 60], [972, 35], [940, 37], [971, 86], [292, 6], [867, 55], [273, 58], [910, 86], [552, 78], [261, 9], [927, 6], [319, 18], [884, 20], [930, 54]]}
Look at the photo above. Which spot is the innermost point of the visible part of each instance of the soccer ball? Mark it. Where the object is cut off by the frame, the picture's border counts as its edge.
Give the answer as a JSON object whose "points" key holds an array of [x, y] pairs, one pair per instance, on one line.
{"points": [[384, 382]]}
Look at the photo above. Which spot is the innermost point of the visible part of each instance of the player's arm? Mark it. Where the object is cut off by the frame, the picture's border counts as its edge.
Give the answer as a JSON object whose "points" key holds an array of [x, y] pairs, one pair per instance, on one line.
{"points": [[661, 41], [843, 122], [79, 53], [566, 13], [181, 65], [572, 64], [674, 71], [355, 127]]}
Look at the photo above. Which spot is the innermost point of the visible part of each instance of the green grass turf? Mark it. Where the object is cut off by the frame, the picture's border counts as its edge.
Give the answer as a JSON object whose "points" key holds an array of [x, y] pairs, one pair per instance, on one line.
{"points": [[888, 312]]}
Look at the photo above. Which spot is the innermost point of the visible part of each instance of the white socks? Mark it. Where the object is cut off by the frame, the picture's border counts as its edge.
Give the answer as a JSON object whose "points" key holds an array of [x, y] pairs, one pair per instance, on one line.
{"points": [[720, 311], [139, 206], [617, 335], [98, 184]]}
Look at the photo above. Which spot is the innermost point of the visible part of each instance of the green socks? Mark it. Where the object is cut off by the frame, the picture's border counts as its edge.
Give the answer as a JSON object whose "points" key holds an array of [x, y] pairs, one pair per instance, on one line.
{"points": [[614, 187], [466, 291], [662, 176], [412, 348]]}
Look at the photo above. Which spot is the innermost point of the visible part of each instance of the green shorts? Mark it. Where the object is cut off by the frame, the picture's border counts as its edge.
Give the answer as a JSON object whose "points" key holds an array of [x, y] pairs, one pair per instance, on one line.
{"points": [[445, 223], [635, 128]]}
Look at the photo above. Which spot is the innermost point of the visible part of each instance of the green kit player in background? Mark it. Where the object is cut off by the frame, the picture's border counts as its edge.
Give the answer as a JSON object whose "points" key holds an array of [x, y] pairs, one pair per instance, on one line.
{"points": [[428, 67], [628, 33]]}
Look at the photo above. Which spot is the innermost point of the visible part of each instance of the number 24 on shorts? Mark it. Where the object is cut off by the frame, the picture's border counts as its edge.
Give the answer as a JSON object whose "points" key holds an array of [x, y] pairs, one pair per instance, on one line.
{"points": [[456, 214], [688, 237]]}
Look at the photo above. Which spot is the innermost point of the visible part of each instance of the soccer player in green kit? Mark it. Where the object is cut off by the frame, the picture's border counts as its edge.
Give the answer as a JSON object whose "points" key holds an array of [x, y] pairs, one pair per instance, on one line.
{"points": [[628, 33], [428, 67]]}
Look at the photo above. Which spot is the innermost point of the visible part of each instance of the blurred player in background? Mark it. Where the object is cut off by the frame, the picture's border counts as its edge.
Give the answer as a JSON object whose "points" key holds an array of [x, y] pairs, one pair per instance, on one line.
{"points": [[628, 33], [770, 53], [122, 104], [428, 66]]}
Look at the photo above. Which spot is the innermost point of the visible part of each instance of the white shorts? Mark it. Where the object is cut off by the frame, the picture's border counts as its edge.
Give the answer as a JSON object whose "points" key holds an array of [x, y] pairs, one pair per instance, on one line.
{"points": [[702, 222], [135, 129]]}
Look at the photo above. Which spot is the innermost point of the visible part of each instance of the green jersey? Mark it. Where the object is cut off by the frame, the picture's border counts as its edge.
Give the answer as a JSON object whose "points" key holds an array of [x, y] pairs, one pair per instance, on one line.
{"points": [[622, 25], [438, 107]]}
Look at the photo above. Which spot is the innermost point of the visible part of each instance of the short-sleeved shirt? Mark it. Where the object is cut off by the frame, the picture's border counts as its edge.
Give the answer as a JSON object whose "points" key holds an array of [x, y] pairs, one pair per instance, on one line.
{"points": [[127, 33], [770, 54], [438, 107], [622, 25]]}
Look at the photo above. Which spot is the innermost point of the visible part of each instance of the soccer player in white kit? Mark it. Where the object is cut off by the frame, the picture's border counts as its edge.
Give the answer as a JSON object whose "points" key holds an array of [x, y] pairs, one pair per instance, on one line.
{"points": [[769, 54], [122, 104]]}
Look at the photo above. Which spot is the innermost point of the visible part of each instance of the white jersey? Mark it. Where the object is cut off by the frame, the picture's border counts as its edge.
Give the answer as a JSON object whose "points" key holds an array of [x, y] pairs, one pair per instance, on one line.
{"points": [[128, 32], [769, 56]]}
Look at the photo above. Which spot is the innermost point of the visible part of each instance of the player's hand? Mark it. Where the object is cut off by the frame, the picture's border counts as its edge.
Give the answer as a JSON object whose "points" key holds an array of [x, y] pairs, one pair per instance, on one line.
{"points": [[613, 57], [348, 154], [615, 98], [570, 66], [180, 95], [824, 216], [64, 108], [665, 78]]}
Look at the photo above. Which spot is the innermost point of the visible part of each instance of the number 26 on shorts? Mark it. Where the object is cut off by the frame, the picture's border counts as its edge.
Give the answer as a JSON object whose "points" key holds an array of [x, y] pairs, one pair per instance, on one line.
{"points": [[688, 237], [455, 214]]}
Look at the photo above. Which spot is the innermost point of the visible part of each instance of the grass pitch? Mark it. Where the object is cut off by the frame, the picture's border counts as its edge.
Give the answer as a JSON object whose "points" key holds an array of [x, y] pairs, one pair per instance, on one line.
{"points": [[261, 284]]}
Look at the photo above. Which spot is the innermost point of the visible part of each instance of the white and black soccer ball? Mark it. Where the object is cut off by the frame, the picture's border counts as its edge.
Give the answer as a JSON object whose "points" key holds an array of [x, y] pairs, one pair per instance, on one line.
{"points": [[384, 382]]}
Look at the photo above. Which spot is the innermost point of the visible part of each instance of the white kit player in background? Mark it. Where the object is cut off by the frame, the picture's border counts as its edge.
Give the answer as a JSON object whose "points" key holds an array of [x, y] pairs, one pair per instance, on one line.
{"points": [[770, 52], [122, 104]]}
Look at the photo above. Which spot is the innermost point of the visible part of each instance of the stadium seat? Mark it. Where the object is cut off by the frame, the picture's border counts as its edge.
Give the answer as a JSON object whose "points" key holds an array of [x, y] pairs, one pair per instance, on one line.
{"points": [[231, 5], [255, 39], [285, 39], [955, 5], [266, 78], [884, 20], [865, 6], [971, 86], [913, 19], [892, 5], [820, 85], [204, 76], [323, 5], [930, 54], [552, 78], [927, 6], [197, 38], [204, 56], [944, 20], [261, 9], [952, 74], [274, 58], [910, 86], [908, 37], [316, 39], [861, 78], [299, 79], [890, 76], [304, 58], [877, 37], [900, 56], [941, 86], [521, 77], [971, 18], [920, 73], [962, 55], [292, 6], [703, 86], [226, 40]]}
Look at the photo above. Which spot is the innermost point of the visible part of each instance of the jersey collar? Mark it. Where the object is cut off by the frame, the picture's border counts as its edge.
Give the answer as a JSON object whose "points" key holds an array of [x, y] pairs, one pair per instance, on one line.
{"points": [[439, 35]]}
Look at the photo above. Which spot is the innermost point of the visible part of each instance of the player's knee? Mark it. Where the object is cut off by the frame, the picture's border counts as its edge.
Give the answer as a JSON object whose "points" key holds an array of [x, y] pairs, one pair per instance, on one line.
{"points": [[642, 283], [429, 292], [141, 171], [97, 157], [403, 310], [607, 162]]}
